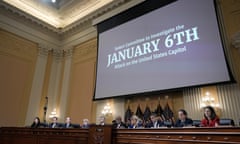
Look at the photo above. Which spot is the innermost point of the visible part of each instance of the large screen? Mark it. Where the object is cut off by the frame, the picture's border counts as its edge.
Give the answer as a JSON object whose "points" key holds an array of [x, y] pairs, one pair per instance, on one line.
{"points": [[175, 46]]}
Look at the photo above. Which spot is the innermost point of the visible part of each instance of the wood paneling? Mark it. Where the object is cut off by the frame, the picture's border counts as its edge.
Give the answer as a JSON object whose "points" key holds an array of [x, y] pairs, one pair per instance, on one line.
{"points": [[104, 135], [177, 135], [17, 62], [82, 83], [229, 98], [16, 135]]}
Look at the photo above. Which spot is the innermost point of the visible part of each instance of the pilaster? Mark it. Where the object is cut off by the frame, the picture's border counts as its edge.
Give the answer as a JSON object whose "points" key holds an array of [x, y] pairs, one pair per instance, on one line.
{"points": [[54, 81], [65, 82], [37, 85]]}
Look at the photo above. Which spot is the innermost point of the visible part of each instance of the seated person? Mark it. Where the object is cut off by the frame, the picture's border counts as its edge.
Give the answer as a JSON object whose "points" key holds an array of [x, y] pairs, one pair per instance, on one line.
{"points": [[155, 121], [68, 123], [183, 120], [140, 123], [147, 123], [85, 123], [36, 123], [128, 123], [119, 123], [54, 123], [134, 122], [210, 118]]}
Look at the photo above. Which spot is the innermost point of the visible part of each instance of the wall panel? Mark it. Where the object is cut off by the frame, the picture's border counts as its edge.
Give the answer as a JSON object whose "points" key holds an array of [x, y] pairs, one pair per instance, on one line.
{"points": [[80, 104], [229, 98], [17, 62]]}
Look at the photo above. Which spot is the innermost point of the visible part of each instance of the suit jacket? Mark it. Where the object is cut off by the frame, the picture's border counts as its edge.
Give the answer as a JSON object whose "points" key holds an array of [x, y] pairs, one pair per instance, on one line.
{"points": [[132, 126], [56, 126], [121, 125], [136, 126], [187, 122], [39, 125], [34, 125], [68, 126], [85, 126], [155, 125]]}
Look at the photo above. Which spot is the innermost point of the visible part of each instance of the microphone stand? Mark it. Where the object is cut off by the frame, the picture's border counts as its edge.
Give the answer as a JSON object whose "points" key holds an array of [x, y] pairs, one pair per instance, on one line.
{"points": [[45, 109]]}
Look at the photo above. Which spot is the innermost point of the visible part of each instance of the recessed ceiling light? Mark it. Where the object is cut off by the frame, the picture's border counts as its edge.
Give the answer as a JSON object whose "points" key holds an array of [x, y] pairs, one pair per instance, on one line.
{"points": [[53, 1]]}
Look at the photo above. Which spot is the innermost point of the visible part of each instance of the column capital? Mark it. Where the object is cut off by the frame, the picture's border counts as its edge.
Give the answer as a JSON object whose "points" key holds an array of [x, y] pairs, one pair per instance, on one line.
{"points": [[68, 52], [43, 50], [58, 54]]}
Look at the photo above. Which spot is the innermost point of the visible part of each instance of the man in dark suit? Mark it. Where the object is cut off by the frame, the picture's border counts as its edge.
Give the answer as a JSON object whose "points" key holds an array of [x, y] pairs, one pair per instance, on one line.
{"points": [[68, 123], [54, 123], [155, 121], [183, 120], [119, 123]]}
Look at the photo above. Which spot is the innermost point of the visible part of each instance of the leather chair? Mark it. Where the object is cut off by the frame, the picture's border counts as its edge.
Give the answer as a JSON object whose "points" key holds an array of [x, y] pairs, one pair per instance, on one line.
{"points": [[196, 123], [43, 125], [168, 123], [226, 122]]}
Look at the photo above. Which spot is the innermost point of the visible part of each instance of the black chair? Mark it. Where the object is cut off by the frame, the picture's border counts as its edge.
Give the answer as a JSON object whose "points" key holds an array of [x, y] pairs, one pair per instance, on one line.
{"points": [[168, 124], [43, 125], [196, 123], [226, 122], [76, 125]]}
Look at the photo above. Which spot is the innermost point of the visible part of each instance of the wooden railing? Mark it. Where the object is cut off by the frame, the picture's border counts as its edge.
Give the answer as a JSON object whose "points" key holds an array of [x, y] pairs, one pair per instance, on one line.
{"points": [[105, 135], [177, 136], [14, 135]]}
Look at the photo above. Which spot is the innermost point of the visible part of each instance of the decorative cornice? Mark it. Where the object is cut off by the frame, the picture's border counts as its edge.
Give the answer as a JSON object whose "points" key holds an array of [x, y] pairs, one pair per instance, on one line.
{"points": [[236, 40], [60, 31], [40, 32], [94, 15], [26, 17], [66, 14]]}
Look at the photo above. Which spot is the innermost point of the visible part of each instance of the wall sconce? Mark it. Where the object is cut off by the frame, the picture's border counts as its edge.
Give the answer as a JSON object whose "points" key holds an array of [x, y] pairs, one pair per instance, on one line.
{"points": [[208, 100], [53, 113], [107, 110]]}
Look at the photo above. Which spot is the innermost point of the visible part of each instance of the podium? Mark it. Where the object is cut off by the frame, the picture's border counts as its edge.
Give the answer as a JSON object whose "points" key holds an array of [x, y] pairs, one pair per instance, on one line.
{"points": [[99, 134]]}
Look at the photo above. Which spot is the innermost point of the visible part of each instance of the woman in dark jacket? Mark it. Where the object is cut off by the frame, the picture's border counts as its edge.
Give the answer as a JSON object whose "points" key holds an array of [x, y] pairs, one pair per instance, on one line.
{"points": [[36, 123]]}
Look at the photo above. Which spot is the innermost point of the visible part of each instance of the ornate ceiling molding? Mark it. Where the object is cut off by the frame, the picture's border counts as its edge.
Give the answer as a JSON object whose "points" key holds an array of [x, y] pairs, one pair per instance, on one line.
{"points": [[19, 15], [63, 16], [91, 16], [32, 28], [78, 21]]}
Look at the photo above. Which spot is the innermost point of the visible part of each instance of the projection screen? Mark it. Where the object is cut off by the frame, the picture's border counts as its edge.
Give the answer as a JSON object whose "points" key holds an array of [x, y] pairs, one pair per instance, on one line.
{"points": [[175, 46]]}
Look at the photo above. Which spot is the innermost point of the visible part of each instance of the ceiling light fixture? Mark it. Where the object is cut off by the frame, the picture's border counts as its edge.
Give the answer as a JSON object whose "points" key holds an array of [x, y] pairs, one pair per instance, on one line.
{"points": [[53, 1]]}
